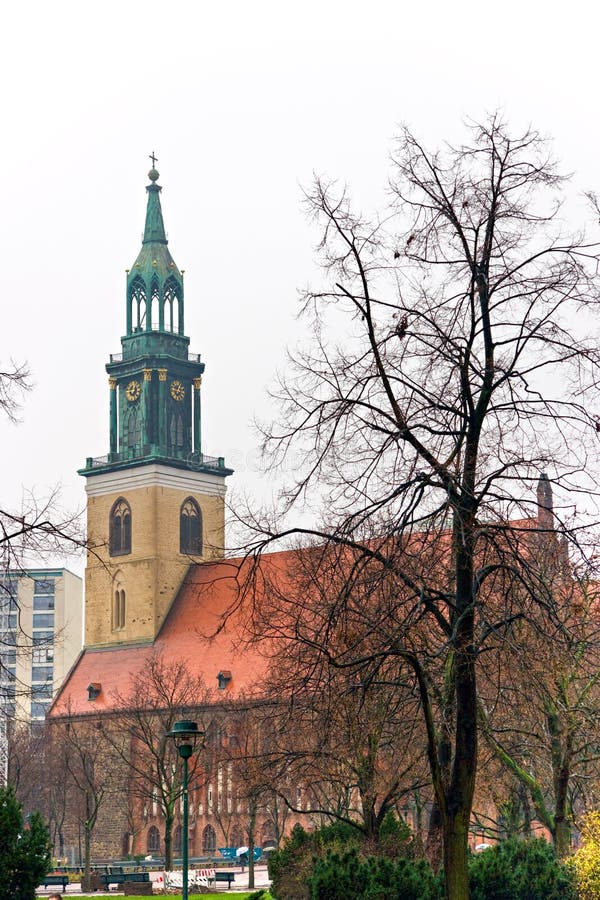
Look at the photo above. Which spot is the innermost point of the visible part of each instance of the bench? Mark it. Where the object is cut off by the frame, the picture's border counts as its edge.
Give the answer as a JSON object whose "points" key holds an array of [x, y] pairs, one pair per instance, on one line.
{"points": [[225, 876], [54, 880], [123, 878]]}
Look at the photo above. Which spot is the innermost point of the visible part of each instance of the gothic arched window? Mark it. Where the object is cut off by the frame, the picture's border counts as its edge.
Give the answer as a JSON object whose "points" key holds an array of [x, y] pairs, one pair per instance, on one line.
{"points": [[176, 433], [209, 840], [120, 528], [172, 297], [154, 305], [177, 839], [190, 528], [134, 430], [119, 609], [137, 298], [153, 840]]}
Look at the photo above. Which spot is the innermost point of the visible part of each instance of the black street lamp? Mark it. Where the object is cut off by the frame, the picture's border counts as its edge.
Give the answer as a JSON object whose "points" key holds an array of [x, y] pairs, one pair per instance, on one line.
{"points": [[185, 734]]}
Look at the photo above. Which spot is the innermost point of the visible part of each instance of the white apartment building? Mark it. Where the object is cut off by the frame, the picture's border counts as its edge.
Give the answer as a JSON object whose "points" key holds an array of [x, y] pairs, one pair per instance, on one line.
{"points": [[40, 637]]}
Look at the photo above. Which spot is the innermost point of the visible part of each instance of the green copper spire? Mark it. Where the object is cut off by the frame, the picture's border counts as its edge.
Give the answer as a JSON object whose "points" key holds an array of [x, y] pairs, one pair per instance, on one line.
{"points": [[154, 283], [154, 230], [155, 413]]}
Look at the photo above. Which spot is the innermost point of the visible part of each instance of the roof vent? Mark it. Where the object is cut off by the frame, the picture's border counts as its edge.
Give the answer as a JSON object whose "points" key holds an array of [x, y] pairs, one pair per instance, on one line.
{"points": [[224, 677], [93, 690]]}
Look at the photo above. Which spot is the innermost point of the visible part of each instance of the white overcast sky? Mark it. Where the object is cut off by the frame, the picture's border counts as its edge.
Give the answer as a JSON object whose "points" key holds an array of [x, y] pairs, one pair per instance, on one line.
{"points": [[241, 101]]}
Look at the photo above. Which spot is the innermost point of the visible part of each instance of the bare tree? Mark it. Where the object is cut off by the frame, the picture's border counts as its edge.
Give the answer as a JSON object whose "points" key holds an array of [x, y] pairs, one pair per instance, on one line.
{"points": [[92, 775], [246, 753], [466, 368], [159, 695], [356, 745], [39, 776], [540, 706], [40, 527]]}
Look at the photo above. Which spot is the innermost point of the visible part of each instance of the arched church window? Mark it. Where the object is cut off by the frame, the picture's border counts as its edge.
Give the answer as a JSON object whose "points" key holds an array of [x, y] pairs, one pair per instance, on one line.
{"points": [[119, 609], [190, 528], [120, 528], [137, 298], [154, 305], [153, 840], [177, 839], [176, 433], [209, 840], [171, 305], [134, 430]]}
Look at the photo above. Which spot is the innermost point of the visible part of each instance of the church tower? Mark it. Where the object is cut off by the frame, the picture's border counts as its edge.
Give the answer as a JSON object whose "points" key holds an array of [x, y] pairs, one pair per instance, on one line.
{"points": [[155, 503]]}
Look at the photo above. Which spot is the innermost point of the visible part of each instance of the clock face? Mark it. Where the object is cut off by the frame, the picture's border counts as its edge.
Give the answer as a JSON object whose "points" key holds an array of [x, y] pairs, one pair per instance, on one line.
{"points": [[177, 390], [133, 391]]}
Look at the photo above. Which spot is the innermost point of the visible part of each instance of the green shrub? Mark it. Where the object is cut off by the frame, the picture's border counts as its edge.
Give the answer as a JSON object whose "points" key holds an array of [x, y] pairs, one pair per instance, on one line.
{"points": [[347, 876], [520, 870], [25, 855], [395, 837], [291, 865]]}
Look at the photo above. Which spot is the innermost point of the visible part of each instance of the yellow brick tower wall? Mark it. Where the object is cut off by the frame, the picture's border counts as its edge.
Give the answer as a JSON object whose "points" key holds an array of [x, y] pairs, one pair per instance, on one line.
{"points": [[153, 572]]}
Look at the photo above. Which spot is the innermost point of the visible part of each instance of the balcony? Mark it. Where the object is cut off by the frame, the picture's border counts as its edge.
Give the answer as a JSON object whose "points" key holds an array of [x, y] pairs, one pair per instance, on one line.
{"points": [[199, 461], [191, 357]]}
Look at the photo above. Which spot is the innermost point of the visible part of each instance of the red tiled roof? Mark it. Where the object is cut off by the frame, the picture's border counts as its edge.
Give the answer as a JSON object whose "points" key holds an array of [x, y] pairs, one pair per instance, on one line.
{"points": [[196, 633], [189, 634]]}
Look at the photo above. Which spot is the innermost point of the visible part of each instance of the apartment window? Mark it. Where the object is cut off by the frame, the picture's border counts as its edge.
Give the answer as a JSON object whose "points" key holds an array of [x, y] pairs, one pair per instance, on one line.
{"points": [[42, 655], [41, 673], [43, 586], [43, 620], [43, 637], [8, 589], [43, 603], [39, 709], [41, 691], [9, 657]]}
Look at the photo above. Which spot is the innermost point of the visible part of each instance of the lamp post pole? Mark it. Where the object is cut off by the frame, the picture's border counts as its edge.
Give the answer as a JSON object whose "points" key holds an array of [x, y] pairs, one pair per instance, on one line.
{"points": [[185, 734], [185, 756]]}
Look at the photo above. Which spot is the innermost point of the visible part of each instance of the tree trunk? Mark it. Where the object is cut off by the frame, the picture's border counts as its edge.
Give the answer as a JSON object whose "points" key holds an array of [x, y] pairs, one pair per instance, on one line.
{"points": [[456, 869], [87, 837], [251, 826], [562, 751], [562, 838], [434, 846], [169, 842]]}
